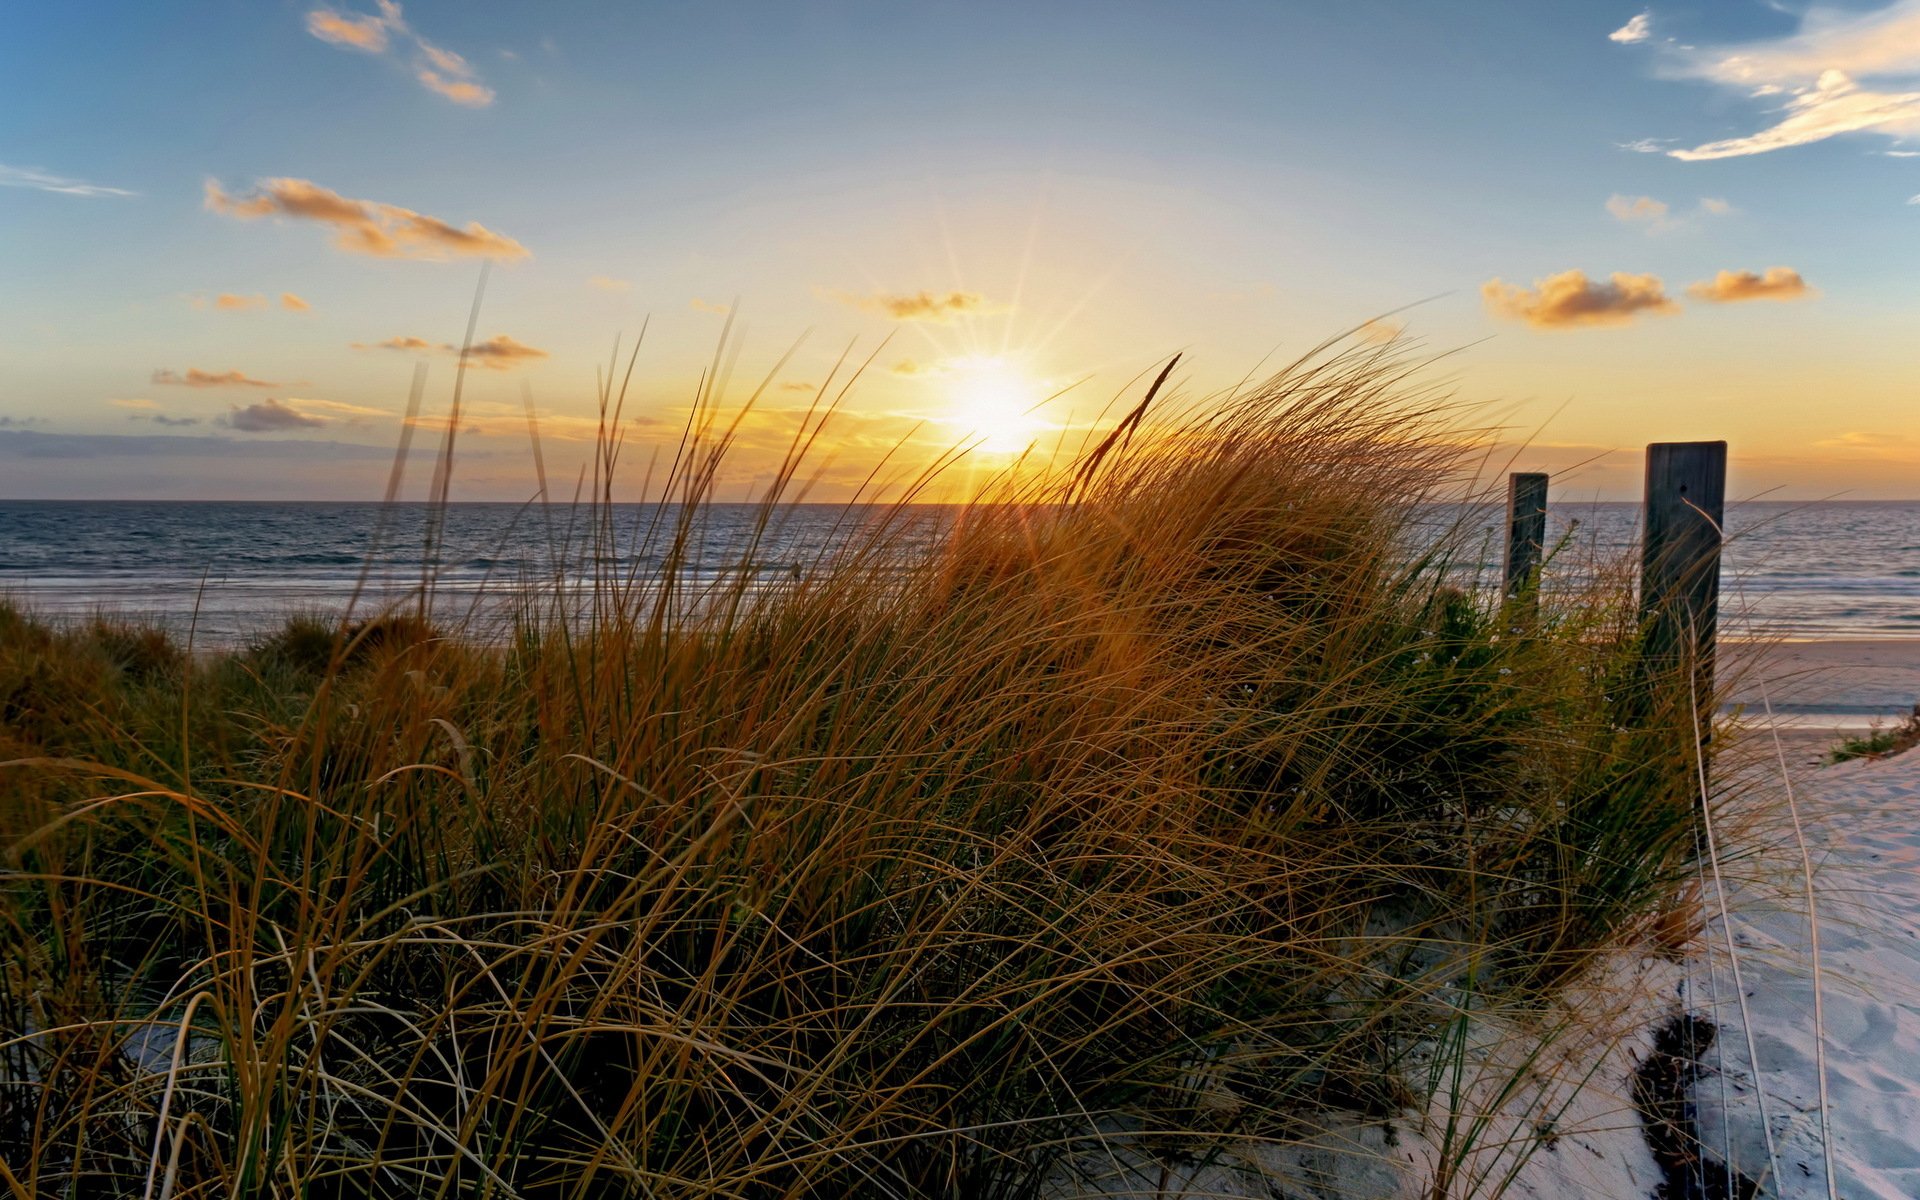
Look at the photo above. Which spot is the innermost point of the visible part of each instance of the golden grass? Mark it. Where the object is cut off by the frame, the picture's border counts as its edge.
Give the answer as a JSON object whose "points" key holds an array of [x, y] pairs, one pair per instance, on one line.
{"points": [[1179, 792]]}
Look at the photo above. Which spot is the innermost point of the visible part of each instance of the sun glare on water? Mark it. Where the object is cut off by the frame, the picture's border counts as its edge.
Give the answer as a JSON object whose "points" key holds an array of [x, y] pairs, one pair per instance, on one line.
{"points": [[990, 401]]}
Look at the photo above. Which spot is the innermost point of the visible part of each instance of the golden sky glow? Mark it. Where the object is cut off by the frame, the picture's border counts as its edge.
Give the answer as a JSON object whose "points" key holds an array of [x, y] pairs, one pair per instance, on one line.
{"points": [[1631, 225]]}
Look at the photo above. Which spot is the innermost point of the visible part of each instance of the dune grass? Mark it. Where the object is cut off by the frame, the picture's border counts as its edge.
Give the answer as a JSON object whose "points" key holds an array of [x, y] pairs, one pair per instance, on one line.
{"points": [[1182, 794]]}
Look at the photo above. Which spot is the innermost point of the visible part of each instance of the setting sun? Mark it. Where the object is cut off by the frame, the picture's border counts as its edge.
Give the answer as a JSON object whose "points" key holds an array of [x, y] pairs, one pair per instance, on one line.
{"points": [[991, 402]]}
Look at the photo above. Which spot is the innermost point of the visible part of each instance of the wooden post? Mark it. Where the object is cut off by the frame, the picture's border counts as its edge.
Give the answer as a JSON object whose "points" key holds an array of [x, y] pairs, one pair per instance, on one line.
{"points": [[1680, 568], [1526, 530]]}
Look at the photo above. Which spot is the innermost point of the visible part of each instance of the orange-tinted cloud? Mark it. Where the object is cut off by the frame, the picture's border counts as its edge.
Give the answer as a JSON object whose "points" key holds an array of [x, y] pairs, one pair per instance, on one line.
{"points": [[1378, 332], [502, 353], [607, 283], [460, 91], [1570, 299], [233, 303], [352, 30], [364, 226], [918, 306], [402, 343], [138, 403], [497, 353], [195, 377], [293, 303], [269, 416], [1727, 287], [1636, 208], [707, 306], [436, 68]]}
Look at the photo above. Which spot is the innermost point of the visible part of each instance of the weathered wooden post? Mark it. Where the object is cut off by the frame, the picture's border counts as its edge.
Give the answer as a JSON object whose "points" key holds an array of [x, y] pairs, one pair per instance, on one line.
{"points": [[1526, 534], [1680, 573]]}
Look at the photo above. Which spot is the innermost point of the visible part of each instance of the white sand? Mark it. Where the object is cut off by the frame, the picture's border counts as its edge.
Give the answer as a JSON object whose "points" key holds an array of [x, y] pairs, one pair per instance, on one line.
{"points": [[1863, 825]]}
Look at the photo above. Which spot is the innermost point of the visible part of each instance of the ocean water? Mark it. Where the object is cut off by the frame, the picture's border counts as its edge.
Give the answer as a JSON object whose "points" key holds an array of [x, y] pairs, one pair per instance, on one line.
{"points": [[1822, 571]]}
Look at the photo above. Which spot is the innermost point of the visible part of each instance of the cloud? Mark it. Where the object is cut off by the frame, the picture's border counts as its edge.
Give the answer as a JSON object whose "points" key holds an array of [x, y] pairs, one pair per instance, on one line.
{"points": [[1834, 105], [269, 416], [46, 181], [941, 307], [502, 353], [363, 226], [1639, 29], [1570, 299], [1819, 69], [497, 353], [1727, 287], [175, 422], [1864, 440], [1714, 206], [1901, 153], [293, 303], [353, 30], [908, 366], [699, 305], [233, 303], [460, 91], [1376, 332], [8, 421], [133, 403], [796, 385], [434, 67], [607, 283], [195, 377], [1637, 208], [1646, 145], [402, 343]]}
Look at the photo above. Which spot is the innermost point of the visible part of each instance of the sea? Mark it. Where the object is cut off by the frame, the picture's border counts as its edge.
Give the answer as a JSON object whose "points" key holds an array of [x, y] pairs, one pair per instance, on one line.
{"points": [[230, 570]]}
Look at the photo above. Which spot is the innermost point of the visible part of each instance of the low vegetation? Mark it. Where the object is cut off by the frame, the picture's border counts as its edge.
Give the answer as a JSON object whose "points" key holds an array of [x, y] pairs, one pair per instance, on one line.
{"points": [[1184, 793], [1879, 742]]}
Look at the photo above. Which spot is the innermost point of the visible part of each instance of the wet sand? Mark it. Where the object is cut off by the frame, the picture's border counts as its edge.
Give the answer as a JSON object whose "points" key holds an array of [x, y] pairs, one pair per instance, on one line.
{"points": [[1827, 689]]}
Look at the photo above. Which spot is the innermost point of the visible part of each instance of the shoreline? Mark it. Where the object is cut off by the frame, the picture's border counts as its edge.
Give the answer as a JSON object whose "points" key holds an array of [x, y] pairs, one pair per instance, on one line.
{"points": [[1833, 687]]}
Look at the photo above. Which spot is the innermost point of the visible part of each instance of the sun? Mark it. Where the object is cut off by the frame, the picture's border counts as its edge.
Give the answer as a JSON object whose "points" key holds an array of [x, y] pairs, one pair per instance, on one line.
{"points": [[991, 402]]}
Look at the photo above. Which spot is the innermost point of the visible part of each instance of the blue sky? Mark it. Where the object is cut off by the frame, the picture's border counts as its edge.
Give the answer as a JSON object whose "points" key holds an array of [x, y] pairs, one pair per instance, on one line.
{"points": [[1075, 190]]}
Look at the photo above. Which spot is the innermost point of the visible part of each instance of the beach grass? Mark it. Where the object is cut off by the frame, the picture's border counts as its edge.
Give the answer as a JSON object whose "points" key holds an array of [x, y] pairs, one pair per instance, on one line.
{"points": [[1183, 795]]}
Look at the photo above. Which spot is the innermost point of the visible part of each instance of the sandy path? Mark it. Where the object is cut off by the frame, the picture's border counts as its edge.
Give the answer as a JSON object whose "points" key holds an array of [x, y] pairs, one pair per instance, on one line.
{"points": [[1863, 826]]}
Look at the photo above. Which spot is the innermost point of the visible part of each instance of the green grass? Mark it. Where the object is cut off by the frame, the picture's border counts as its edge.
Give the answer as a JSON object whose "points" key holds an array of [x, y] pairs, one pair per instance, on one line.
{"points": [[1879, 742], [1168, 794]]}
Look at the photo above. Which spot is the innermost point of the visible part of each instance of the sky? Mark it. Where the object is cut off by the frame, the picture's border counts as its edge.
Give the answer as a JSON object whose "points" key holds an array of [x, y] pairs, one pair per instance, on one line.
{"points": [[232, 230]]}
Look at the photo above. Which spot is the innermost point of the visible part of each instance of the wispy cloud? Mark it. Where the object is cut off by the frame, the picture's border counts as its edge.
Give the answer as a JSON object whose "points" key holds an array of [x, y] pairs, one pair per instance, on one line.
{"points": [[1637, 208], [355, 31], [1727, 287], [401, 343], [1647, 145], [363, 226], [1570, 300], [195, 377], [230, 302], [134, 403], [497, 353], [434, 67], [940, 307], [1657, 216], [46, 181], [1819, 70], [707, 306], [173, 422], [293, 303], [1377, 332], [607, 283], [1639, 29], [269, 416]]}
